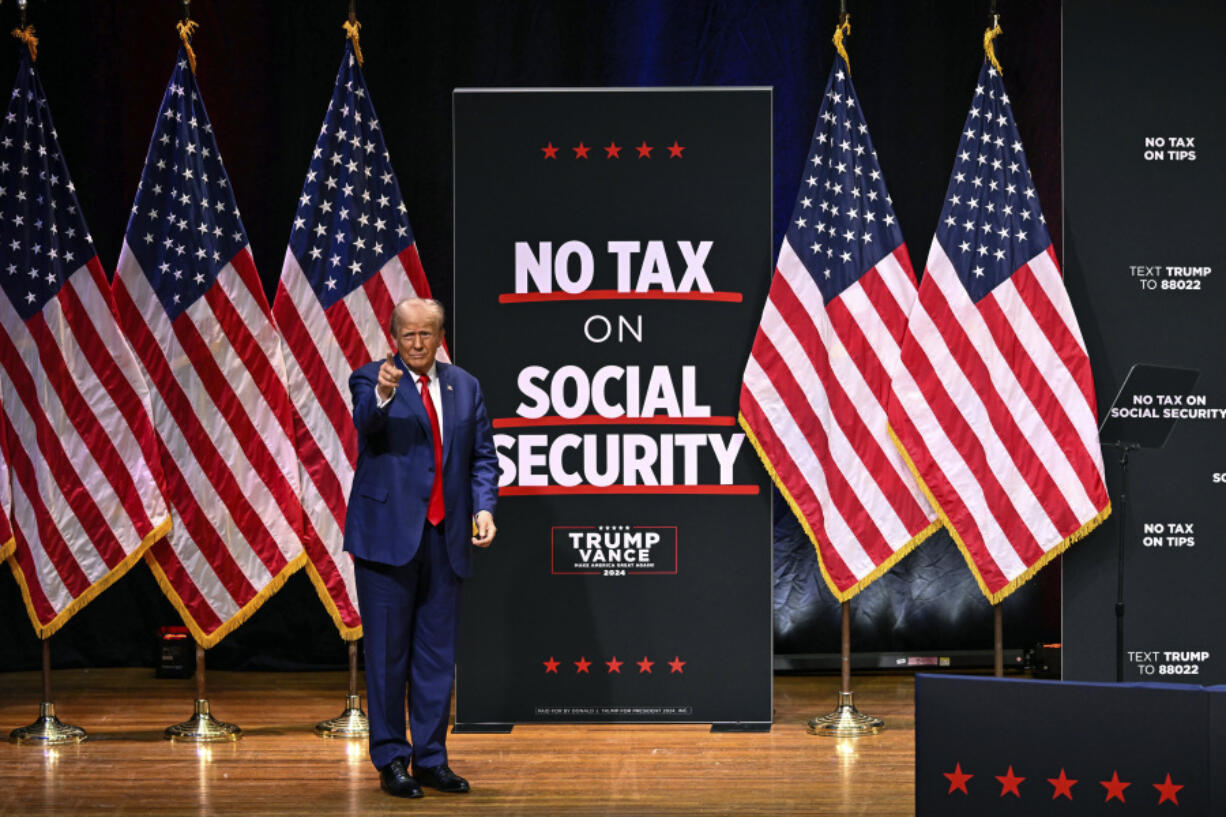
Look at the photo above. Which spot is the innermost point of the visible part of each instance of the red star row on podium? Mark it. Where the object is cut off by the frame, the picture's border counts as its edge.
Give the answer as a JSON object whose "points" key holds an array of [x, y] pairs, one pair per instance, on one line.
{"points": [[1062, 786]]}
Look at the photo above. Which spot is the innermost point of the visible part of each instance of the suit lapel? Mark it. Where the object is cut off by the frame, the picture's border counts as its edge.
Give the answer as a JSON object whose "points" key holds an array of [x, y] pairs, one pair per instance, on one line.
{"points": [[447, 392]]}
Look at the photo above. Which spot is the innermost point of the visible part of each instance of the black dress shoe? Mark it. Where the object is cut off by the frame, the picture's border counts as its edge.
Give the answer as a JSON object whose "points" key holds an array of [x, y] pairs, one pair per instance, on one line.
{"points": [[394, 779], [441, 778]]}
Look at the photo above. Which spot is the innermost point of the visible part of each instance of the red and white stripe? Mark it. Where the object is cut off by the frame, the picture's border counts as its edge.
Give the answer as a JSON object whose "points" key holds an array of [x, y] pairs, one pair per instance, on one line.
{"points": [[7, 543], [813, 400], [80, 449], [323, 347], [225, 425], [994, 404]]}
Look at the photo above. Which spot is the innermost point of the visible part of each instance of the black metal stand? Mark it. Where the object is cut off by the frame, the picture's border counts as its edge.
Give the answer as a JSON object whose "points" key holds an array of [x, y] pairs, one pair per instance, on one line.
{"points": [[1121, 511], [1126, 429]]}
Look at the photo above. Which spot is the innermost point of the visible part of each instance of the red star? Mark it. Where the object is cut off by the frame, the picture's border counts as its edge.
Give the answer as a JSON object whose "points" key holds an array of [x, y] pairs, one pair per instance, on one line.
{"points": [[1063, 785], [957, 779], [1009, 783], [550, 151], [615, 665], [644, 150], [550, 666], [1115, 787], [613, 151], [582, 664], [1168, 790], [645, 665], [581, 151], [674, 150], [676, 664]]}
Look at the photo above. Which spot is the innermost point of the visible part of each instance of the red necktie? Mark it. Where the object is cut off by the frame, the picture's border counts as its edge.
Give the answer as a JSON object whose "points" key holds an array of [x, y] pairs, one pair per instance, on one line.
{"points": [[434, 513]]}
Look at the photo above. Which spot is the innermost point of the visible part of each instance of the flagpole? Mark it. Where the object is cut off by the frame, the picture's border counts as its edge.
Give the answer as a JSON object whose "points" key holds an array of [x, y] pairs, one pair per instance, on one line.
{"points": [[25, 33], [352, 28], [202, 727], [998, 641], [48, 730], [998, 627], [352, 723], [845, 721]]}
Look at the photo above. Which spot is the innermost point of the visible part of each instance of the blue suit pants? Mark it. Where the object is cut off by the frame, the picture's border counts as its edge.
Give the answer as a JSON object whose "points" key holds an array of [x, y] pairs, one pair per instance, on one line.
{"points": [[410, 617]]}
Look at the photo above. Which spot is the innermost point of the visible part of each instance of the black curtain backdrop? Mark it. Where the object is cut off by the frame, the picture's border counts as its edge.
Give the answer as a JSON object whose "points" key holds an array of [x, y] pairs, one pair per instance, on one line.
{"points": [[266, 71]]}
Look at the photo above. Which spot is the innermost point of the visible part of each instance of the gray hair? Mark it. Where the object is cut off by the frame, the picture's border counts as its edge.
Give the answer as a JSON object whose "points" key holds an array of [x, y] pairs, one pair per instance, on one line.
{"points": [[429, 303]]}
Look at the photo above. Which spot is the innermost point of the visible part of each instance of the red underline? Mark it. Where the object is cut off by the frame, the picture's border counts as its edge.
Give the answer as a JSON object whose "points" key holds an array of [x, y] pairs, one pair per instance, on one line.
{"points": [[615, 295], [538, 490], [597, 420]]}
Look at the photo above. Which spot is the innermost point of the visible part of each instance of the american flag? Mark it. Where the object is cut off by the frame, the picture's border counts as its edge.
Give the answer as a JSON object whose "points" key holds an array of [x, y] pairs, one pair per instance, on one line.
{"points": [[351, 258], [7, 543], [815, 388], [83, 476], [190, 301], [994, 403]]}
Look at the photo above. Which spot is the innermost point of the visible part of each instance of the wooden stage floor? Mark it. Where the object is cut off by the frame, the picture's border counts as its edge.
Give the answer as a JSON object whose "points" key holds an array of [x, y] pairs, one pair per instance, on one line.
{"points": [[280, 767]]}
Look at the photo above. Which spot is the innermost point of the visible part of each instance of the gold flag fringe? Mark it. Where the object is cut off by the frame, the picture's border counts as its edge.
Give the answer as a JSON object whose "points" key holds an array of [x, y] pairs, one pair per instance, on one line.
{"points": [[843, 29], [208, 640], [351, 31], [989, 47], [186, 29], [26, 35], [999, 595], [877, 572], [45, 631], [321, 589]]}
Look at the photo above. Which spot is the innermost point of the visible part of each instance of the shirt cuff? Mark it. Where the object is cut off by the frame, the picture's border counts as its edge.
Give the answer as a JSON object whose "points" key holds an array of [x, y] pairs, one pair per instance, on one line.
{"points": [[381, 403]]}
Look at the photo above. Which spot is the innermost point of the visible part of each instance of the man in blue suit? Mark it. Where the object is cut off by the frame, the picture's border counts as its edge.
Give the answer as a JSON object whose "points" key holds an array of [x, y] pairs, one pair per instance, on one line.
{"points": [[426, 479]]}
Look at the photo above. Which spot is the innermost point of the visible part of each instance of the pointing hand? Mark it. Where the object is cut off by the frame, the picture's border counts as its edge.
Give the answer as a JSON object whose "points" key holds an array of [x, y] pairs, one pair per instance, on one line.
{"points": [[389, 377]]}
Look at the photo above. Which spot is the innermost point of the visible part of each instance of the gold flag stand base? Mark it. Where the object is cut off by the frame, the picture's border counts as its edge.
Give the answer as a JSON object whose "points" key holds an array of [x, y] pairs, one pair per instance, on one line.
{"points": [[845, 721], [202, 727], [48, 730], [351, 723]]}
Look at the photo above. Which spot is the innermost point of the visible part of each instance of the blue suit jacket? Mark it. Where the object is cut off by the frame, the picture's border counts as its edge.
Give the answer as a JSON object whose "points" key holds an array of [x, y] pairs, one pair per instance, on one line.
{"points": [[395, 471]]}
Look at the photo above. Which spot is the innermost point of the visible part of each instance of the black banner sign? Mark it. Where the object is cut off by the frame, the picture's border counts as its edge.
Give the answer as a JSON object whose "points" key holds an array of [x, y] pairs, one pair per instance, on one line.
{"points": [[1145, 167], [613, 250]]}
